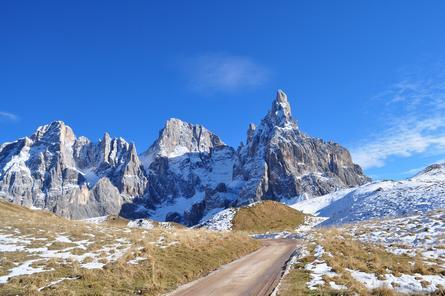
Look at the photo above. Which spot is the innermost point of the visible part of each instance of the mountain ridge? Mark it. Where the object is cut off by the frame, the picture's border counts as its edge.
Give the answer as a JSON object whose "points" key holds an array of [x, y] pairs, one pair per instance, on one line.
{"points": [[185, 175]]}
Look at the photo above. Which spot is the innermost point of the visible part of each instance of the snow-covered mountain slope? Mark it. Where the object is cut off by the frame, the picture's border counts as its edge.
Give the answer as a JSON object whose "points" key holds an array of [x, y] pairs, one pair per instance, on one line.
{"points": [[71, 176], [422, 193]]}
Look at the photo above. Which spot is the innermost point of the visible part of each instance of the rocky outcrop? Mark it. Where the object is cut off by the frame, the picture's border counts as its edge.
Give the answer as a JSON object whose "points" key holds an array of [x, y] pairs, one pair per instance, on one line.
{"points": [[71, 176], [279, 161]]}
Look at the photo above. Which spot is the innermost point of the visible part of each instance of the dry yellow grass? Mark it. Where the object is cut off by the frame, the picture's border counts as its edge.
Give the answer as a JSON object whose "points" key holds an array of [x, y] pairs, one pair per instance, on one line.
{"points": [[267, 216], [170, 256], [349, 253]]}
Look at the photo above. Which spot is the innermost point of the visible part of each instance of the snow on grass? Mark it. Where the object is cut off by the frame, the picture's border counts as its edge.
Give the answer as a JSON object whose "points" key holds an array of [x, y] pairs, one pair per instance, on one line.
{"points": [[41, 249], [96, 220], [63, 239], [319, 269], [54, 283], [23, 269], [408, 235], [221, 221], [136, 260], [9, 243], [407, 284], [309, 223], [141, 223], [373, 253]]}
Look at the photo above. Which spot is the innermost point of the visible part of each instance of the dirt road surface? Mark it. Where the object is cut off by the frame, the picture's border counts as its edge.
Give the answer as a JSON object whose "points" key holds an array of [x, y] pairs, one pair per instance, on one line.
{"points": [[255, 274]]}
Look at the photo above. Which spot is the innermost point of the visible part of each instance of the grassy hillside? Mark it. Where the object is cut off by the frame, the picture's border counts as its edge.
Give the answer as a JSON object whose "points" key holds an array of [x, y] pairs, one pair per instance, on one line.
{"points": [[372, 258], [267, 216], [59, 253]]}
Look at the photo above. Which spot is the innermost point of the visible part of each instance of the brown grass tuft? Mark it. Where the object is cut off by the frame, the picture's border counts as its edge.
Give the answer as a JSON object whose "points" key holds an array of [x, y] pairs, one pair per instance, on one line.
{"points": [[267, 216]]}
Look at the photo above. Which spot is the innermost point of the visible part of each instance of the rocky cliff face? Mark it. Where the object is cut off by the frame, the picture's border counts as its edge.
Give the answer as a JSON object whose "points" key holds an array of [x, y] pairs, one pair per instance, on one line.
{"points": [[71, 176], [188, 173], [186, 165], [279, 161]]}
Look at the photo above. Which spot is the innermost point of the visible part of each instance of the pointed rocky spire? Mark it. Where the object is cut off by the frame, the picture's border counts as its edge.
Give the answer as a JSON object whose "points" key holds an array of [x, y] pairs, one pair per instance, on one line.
{"points": [[251, 132], [281, 113], [105, 146]]}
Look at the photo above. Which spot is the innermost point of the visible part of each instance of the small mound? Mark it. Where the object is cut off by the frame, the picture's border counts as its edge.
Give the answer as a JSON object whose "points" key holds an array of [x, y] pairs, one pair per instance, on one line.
{"points": [[267, 216]]}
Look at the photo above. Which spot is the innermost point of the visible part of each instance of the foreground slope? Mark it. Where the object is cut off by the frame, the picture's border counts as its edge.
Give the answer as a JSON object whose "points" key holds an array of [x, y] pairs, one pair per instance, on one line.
{"points": [[424, 192], [41, 252], [404, 256]]}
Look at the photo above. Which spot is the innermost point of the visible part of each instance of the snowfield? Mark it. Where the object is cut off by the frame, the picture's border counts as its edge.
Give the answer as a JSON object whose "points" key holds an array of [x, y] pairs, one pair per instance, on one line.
{"points": [[420, 194]]}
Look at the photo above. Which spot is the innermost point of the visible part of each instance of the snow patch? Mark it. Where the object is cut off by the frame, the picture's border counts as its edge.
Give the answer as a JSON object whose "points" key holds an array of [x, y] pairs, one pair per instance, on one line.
{"points": [[221, 221]]}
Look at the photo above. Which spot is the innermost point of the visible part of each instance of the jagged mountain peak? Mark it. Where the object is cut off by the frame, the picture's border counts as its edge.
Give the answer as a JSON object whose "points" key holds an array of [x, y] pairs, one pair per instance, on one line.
{"points": [[280, 114], [178, 138], [57, 124], [279, 161], [56, 131]]}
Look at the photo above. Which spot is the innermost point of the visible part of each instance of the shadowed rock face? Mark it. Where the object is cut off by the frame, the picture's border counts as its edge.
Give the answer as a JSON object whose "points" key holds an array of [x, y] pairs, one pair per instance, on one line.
{"points": [[186, 174], [71, 176]]}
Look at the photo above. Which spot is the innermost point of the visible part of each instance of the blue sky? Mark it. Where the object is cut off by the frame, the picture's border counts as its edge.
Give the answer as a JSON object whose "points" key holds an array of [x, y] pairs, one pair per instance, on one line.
{"points": [[367, 74]]}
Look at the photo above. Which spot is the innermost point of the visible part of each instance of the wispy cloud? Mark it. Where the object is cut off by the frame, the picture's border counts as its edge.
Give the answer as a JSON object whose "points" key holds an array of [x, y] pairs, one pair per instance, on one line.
{"points": [[222, 72], [7, 116], [409, 137], [414, 111]]}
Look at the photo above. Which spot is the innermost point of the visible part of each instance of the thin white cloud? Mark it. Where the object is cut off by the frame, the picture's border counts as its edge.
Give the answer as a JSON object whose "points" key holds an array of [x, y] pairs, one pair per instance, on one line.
{"points": [[408, 138], [222, 72], [414, 111], [8, 116]]}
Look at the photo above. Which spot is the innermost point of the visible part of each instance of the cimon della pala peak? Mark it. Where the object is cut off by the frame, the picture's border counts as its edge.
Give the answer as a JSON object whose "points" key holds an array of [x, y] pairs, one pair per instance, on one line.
{"points": [[186, 175]]}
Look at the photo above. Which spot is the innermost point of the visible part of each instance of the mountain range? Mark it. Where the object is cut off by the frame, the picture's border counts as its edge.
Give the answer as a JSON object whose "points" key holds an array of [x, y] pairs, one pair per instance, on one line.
{"points": [[185, 176]]}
